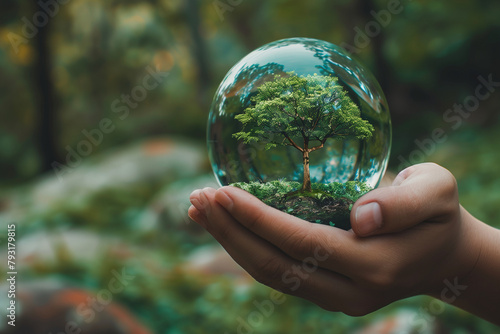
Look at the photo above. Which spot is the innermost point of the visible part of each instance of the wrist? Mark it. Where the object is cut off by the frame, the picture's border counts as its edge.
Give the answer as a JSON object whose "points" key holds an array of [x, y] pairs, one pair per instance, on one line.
{"points": [[474, 280], [459, 267]]}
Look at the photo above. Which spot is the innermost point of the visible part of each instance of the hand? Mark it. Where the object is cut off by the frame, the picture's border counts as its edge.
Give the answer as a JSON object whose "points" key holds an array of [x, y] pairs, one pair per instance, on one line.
{"points": [[406, 240]]}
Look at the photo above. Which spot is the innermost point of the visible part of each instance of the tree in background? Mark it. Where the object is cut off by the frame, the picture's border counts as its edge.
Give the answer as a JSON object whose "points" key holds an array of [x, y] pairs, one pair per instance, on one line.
{"points": [[302, 112]]}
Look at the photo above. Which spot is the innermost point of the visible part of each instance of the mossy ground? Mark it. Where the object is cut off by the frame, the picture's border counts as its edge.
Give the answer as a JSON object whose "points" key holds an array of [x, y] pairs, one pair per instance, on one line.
{"points": [[328, 204]]}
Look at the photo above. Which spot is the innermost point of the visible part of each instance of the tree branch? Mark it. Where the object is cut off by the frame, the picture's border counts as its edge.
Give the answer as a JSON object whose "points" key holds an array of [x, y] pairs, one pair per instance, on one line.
{"points": [[319, 146], [292, 142], [317, 119]]}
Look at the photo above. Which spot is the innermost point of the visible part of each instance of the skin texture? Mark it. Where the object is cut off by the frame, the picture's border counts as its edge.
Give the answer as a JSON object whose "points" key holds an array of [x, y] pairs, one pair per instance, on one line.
{"points": [[411, 238]]}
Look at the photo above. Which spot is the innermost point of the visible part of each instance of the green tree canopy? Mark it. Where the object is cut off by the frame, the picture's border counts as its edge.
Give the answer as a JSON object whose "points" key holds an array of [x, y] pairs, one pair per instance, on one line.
{"points": [[302, 112]]}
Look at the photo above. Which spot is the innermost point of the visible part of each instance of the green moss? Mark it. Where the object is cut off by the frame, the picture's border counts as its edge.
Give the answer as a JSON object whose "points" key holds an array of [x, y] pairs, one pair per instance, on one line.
{"points": [[315, 193], [351, 190], [328, 204]]}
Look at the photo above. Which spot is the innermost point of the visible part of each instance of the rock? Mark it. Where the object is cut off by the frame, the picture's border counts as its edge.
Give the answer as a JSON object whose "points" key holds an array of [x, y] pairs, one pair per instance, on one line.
{"points": [[47, 308], [48, 247], [144, 166], [83, 249]]}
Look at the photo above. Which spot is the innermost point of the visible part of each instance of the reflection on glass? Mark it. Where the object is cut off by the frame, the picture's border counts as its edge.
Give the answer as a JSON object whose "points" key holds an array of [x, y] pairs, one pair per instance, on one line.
{"points": [[340, 159]]}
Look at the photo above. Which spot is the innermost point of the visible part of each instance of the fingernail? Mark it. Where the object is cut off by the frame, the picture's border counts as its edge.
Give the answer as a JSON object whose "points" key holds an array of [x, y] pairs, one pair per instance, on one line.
{"points": [[368, 218], [224, 200], [200, 202]]}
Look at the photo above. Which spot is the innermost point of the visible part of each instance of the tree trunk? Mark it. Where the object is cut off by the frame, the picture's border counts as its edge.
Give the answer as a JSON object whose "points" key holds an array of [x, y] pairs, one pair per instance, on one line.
{"points": [[46, 131], [306, 185], [199, 50], [383, 70]]}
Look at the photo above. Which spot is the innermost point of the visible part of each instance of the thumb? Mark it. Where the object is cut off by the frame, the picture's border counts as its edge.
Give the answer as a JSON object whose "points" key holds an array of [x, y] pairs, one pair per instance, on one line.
{"points": [[425, 192]]}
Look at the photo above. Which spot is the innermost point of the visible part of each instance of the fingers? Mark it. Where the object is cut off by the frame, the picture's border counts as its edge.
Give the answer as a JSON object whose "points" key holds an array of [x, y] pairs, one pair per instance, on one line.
{"points": [[266, 263], [288, 233], [197, 216], [339, 250], [425, 192]]}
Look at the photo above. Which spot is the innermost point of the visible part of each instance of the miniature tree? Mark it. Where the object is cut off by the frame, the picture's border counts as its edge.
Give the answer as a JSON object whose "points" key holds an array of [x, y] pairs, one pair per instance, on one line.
{"points": [[302, 112]]}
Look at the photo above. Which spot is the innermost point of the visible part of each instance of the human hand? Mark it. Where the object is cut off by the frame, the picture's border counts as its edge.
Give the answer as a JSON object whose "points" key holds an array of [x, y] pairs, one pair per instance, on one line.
{"points": [[406, 239]]}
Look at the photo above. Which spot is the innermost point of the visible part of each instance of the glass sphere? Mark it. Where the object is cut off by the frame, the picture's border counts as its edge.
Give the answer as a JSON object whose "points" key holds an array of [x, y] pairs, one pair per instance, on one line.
{"points": [[340, 159]]}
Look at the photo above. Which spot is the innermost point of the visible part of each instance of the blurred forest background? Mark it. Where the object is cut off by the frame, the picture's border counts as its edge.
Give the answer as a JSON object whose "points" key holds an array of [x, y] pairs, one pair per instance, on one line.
{"points": [[119, 92]]}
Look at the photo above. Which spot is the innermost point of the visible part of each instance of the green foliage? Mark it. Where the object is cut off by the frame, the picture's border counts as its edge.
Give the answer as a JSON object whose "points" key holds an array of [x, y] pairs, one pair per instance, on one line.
{"points": [[293, 111], [351, 189], [268, 192]]}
